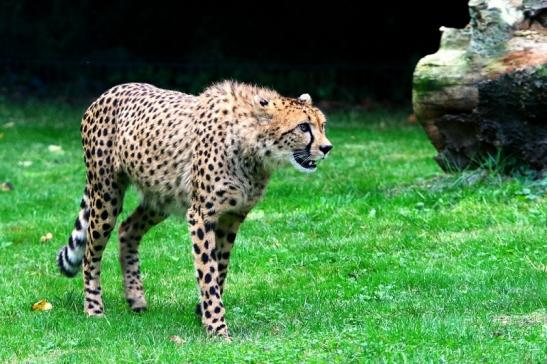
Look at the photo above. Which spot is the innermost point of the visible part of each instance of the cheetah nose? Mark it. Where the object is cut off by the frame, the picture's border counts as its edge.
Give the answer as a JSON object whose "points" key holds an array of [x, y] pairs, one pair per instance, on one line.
{"points": [[325, 148]]}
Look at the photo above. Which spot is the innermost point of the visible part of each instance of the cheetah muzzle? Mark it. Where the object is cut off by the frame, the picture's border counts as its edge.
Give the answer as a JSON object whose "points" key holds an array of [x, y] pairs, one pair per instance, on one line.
{"points": [[209, 156], [303, 159]]}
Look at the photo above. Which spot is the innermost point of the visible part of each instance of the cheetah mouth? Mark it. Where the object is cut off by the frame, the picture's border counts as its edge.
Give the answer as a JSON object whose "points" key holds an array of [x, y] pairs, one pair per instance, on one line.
{"points": [[301, 159]]}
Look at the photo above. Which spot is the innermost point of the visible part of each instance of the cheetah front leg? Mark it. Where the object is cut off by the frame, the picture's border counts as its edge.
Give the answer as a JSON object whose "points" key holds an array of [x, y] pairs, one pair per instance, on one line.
{"points": [[202, 230], [225, 232]]}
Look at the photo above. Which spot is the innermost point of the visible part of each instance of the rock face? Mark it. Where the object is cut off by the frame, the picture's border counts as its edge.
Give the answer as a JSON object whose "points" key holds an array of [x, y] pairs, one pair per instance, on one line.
{"points": [[485, 91]]}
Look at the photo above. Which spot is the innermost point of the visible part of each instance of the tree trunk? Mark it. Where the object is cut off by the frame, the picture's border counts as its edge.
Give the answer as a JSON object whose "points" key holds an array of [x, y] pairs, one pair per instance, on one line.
{"points": [[484, 93]]}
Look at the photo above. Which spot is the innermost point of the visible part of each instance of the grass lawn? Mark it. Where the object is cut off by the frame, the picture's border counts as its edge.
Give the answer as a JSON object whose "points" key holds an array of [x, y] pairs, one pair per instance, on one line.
{"points": [[377, 257]]}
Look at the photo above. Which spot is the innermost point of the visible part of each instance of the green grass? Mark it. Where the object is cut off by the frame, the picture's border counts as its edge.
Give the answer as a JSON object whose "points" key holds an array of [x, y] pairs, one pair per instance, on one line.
{"points": [[377, 257]]}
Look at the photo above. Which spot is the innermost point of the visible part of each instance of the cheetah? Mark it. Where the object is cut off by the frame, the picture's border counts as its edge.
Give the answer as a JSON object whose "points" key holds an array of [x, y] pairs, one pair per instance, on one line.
{"points": [[208, 157]]}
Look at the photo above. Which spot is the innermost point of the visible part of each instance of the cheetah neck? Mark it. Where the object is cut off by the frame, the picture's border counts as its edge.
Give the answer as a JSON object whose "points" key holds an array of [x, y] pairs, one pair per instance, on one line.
{"points": [[246, 137], [247, 148]]}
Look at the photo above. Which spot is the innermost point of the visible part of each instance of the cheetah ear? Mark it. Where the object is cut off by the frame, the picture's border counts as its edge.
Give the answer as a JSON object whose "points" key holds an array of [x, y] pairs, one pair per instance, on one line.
{"points": [[261, 101], [263, 109], [306, 98]]}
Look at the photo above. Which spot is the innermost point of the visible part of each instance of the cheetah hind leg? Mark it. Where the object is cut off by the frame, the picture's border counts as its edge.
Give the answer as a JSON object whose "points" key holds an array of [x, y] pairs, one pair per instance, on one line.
{"points": [[130, 234], [105, 206]]}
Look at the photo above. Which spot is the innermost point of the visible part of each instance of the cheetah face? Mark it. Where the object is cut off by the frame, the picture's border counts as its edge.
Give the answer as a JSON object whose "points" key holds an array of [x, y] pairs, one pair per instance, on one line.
{"points": [[305, 151], [299, 132]]}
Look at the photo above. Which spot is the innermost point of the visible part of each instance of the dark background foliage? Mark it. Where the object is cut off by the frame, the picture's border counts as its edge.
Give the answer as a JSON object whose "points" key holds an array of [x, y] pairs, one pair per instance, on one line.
{"points": [[352, 52]]}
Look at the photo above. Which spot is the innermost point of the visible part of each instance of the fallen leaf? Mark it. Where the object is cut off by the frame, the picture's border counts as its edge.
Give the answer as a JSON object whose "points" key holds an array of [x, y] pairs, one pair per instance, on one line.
{"points": [[46, 238], [256, 215], [538, 266], [5, 244], [177, 340], [42, 305], [25, 163], [532, 318], [55, 148], [6, 187]]}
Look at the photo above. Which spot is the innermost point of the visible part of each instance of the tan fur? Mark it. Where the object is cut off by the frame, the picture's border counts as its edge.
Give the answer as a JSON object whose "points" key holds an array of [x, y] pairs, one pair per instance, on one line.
{"points": [[210, 155]]}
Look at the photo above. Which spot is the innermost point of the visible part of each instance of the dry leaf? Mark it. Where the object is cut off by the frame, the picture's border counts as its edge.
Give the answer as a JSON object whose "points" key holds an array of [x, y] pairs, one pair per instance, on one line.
{"points": [[1, 135], [25, 163], [532, 318], [42, 305], [538, 266], [177, 340], [46, 238], [256, 215], [6, 187], [55, 148]]}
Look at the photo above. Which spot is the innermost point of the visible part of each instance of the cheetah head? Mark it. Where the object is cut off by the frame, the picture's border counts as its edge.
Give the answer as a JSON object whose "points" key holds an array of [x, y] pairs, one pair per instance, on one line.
{"points": [[295, 132]]}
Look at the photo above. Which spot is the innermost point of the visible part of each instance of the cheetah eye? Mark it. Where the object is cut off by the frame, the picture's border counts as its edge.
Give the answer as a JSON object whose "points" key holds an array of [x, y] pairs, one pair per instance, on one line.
{"points": [[304, 127]]}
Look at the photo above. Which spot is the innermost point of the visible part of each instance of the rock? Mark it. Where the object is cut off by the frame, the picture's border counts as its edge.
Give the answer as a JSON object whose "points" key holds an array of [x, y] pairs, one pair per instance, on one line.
{"points": [[484, 92]]}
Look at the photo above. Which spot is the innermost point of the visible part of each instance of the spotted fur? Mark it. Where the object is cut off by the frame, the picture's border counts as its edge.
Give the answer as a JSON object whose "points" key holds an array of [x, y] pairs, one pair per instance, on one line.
{"points": [[209, 156]]}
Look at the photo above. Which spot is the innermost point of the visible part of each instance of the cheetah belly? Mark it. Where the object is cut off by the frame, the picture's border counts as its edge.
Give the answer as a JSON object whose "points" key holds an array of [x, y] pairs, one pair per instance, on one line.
{"points": [[160, 174]]}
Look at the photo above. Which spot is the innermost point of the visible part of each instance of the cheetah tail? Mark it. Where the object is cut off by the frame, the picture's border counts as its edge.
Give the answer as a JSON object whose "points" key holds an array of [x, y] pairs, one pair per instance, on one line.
{"points": [[70, 256]]}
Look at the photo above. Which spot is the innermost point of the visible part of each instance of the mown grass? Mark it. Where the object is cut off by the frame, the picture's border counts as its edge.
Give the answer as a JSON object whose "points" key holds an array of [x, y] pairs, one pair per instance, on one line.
{"points": [[377, 257]]}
